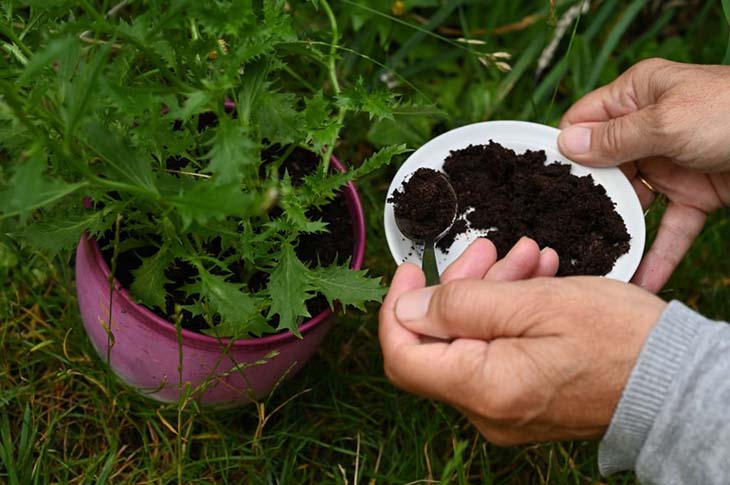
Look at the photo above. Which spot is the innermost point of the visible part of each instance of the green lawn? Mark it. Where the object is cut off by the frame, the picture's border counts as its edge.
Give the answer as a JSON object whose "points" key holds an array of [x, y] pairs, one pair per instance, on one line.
{"points": [[65, 418]]}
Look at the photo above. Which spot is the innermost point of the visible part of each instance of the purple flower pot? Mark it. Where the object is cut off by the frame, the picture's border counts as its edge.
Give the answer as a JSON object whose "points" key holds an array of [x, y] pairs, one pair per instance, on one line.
{"points": [[143, 349]]}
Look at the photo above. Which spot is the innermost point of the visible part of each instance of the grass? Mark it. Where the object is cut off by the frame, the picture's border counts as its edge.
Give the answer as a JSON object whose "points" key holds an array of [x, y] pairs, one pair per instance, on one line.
{"points": [[65, 419]]}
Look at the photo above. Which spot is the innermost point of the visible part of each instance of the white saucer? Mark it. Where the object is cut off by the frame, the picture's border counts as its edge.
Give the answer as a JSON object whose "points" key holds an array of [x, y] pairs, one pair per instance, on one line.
{"points": [[519, 136]]}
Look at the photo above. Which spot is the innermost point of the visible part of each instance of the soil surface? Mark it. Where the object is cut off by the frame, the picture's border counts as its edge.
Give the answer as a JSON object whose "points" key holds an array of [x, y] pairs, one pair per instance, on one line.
{"points": [[325, 248], [426, 205], [517, 195]]}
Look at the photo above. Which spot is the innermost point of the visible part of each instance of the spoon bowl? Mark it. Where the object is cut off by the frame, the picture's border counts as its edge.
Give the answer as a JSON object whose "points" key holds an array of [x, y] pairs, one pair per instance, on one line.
{"points": [[413, 227]]}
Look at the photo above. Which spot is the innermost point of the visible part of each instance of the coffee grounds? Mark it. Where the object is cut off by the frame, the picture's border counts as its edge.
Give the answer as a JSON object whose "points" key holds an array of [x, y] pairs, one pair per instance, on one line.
{"points": [[426, 206], [513, 195]]}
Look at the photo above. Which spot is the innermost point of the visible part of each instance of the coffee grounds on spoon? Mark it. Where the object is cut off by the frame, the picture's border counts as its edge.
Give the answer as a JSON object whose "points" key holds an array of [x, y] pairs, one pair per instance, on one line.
{"points": [[425, 205]]}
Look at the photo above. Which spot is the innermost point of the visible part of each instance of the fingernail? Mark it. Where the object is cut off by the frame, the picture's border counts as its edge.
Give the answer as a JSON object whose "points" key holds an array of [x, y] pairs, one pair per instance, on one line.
{"points": [[414, 304], [545, 249], [576, 140], [520, 242]]}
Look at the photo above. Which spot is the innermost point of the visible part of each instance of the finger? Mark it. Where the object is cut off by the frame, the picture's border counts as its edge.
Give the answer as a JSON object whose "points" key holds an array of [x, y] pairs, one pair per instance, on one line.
{"points": [[439, 370], [602, 104], [472, 308], [548, 264], [521, 262], [615, 141], [679, 227], [473, 263], [633, 90], [393, 335], [645, 195], [681, 184]]}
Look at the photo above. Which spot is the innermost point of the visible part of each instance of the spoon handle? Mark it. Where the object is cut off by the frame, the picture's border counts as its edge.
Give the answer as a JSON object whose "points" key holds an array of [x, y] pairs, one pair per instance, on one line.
{"points": [[428, 264]]}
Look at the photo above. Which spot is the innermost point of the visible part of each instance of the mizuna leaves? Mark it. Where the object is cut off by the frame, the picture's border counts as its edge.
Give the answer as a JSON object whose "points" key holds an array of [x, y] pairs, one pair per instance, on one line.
{"points": [[289, 289]]}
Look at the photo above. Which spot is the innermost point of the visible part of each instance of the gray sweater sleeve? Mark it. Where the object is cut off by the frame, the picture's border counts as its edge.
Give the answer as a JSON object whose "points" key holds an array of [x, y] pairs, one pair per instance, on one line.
{"points": [[672, 424]]}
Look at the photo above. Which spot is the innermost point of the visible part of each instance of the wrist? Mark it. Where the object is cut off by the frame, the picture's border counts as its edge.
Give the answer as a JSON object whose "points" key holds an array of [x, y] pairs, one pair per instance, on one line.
{"points": [[660, 359]]}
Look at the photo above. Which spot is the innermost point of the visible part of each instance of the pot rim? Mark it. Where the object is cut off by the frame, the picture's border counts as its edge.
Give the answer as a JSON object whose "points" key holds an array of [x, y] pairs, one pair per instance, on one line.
{"points": [[158, 323]]}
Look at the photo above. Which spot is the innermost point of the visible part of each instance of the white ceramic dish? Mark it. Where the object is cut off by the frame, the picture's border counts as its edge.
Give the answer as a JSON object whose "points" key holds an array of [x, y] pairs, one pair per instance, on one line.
{"points": [[519, 136]]}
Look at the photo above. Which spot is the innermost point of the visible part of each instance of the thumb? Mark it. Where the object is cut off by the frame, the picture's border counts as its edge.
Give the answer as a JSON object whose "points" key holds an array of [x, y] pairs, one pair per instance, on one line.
{"points": [[473, 309], [624, 139]]}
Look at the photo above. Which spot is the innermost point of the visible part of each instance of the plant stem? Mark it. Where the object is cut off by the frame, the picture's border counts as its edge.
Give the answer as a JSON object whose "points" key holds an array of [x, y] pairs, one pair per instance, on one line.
{"points": [[10, 33], [180, 393], [332, 67], [333, 47]]}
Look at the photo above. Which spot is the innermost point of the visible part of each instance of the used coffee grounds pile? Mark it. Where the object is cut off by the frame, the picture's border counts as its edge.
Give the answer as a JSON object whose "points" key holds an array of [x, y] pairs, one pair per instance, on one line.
{"points": [[512, 195]]}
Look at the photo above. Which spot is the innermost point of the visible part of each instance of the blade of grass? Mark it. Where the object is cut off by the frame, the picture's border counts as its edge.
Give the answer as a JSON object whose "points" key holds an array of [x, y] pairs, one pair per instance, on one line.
{"points": [[6, 450], [612, 40], [425, 30], [565, 58], [421, 32], [726, 9], [518, 70], [653, 31]]}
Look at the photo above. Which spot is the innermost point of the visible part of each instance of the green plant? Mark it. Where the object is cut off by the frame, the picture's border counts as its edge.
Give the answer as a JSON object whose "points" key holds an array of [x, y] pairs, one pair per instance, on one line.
{"points": [[340, 421], [174, 121]]}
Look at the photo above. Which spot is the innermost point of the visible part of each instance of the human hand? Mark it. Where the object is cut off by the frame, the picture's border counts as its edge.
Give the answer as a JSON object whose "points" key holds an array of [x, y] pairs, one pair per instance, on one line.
{"points": [[668, 124], [532, 360]]}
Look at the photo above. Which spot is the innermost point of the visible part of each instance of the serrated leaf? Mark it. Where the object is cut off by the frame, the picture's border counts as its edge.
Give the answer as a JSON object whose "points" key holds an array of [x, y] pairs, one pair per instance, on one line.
{"points": [[14, 136], [121, 161], [84, 88], [318, 187], [133, 101], [207, 201], [289, 288], [295, 212], [240, 312], [232, 150], [62, 232], [348, 286], [320, 126], [377, 104], [53, 51], [299, 221], [316, 110], [379, 159], [29, 188], [196, 102], [150, 280], [276, 117], [324, 135]]}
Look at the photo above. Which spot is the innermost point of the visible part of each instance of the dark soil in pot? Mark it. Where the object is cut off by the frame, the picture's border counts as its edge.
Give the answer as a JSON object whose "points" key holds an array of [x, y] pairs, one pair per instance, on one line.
{"points": [[319, 248], [513, 195]]}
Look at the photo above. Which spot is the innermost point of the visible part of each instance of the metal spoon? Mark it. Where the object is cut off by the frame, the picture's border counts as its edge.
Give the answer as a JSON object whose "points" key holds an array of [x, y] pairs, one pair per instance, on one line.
{"points": [[407, 226]]}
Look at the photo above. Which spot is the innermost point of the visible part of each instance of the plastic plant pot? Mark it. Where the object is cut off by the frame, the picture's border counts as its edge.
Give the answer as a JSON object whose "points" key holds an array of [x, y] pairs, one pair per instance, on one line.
{"points": [[144, 349]]}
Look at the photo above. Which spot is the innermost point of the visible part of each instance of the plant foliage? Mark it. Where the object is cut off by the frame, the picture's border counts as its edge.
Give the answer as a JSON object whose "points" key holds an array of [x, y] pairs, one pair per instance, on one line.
{"points": [[160, 115]]}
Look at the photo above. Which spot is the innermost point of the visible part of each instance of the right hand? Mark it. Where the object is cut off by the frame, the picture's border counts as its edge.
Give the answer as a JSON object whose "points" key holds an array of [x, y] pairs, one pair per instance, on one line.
{"points": [[524, 357], [669, 124]]}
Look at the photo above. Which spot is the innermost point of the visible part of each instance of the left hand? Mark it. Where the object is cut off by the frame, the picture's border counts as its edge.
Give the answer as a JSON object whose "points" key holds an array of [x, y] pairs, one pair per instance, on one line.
{"points": [[665, 125], [532, 360]]}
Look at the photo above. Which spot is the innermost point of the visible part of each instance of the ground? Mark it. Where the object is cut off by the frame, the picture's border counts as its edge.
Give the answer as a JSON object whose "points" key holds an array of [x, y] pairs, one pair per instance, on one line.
{"points": [[65, 418]]}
